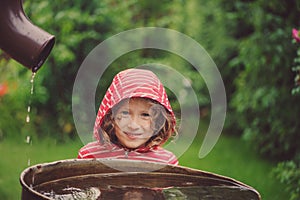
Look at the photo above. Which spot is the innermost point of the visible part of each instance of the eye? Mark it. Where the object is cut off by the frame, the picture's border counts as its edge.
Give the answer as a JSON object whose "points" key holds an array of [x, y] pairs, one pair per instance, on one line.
{"points": [[145, 115], [124, 113]]}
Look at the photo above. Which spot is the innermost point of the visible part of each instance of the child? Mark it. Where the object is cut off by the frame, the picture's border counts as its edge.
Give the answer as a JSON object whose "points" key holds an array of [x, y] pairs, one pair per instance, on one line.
{"points": [[134, 120]]}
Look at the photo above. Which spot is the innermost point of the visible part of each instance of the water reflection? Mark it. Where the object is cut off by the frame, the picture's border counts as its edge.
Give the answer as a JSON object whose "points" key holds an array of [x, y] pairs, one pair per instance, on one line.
{"points": [[139, 193]]}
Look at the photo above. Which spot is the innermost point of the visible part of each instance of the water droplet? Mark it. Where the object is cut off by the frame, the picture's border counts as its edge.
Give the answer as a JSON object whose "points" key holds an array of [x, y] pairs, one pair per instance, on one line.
{"points": [[27, 118], [32, 81], [32, 77], [28, 139]]}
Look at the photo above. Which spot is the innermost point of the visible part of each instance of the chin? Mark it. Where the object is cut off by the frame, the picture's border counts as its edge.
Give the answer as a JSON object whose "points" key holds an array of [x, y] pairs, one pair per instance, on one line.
{"points": [[132, 146]]}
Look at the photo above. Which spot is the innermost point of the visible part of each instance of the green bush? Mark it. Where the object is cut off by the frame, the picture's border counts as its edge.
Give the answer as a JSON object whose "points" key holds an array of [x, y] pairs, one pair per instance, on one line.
{"points": [[296, 69], [263, 109], [289, 173]]}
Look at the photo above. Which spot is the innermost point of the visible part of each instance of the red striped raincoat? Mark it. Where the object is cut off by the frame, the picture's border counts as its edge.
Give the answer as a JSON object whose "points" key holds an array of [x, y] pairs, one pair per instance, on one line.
{"points": [[126, 84]]}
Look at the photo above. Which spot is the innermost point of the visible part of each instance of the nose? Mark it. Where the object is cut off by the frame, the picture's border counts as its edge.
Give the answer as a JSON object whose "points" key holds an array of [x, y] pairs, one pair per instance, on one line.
{"points": [[133, 123]]}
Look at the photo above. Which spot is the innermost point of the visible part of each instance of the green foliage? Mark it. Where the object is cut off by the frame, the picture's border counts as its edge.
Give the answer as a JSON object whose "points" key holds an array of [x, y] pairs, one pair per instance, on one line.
{"points": [[210, 30], [264, 110], [263, 104], [296, 69], [289, 174]]}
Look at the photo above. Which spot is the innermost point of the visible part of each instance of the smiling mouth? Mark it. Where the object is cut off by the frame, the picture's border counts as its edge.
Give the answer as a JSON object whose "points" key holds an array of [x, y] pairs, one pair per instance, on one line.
{"points": [[133, 135]]}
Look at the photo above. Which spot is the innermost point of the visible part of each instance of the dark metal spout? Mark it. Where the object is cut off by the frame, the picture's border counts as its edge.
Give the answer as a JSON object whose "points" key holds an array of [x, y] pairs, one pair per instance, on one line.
{"points": [[20, 39]]}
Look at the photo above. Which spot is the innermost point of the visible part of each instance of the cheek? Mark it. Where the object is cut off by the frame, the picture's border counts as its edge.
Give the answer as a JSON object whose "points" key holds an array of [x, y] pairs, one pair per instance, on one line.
{"points": [[148, 125], [148, 129], [121, 122]]}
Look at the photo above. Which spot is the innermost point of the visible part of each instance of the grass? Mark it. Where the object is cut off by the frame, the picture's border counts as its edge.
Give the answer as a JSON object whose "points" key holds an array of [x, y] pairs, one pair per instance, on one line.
{"points": [[230, 157], [17, 155]]}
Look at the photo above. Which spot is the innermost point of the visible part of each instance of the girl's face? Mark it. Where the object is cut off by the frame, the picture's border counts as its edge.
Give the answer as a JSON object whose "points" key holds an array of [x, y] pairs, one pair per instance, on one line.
{"points": [[133, 120]]}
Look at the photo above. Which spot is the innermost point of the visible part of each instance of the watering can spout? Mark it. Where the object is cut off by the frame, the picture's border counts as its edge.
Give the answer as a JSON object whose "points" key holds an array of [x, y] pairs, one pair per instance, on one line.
{"points": [[20, 39]]}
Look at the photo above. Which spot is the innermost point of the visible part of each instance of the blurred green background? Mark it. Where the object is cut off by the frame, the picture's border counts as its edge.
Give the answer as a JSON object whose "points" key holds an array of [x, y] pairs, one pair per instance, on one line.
{"points": [[250, 42]]}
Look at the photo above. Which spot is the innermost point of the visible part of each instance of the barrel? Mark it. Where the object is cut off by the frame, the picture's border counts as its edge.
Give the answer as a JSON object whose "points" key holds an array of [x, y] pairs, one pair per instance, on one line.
{"points": [[124, 179]]}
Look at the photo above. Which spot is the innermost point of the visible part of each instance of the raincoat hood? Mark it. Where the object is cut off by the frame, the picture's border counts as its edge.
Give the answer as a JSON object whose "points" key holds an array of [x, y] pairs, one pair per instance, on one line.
{"points": [[132, 83]]}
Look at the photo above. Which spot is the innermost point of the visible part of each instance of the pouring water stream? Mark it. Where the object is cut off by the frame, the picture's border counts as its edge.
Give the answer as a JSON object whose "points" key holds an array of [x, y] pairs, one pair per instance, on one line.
{"points": [[28, 138], [31, 93]]}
